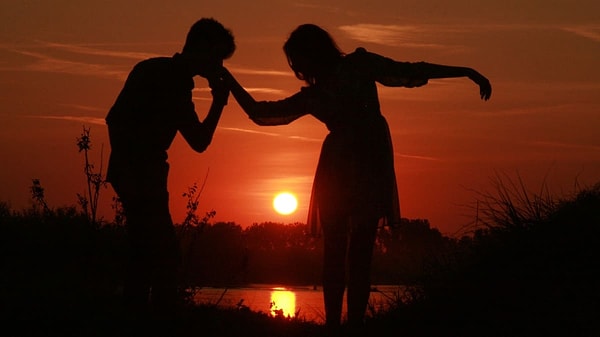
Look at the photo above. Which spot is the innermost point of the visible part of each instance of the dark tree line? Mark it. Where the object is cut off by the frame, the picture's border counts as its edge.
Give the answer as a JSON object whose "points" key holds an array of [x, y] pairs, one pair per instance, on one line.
{"points": [[227, 254], [57, 249]]}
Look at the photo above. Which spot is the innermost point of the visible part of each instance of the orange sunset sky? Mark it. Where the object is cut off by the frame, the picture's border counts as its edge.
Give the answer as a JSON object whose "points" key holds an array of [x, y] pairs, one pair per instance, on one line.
{"points": [[63, 62]]}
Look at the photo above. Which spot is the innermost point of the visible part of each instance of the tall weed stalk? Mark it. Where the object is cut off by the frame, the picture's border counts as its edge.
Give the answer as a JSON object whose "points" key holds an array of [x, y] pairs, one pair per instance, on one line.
{"points": [[191, 226], [94, 180], [37, 194]]}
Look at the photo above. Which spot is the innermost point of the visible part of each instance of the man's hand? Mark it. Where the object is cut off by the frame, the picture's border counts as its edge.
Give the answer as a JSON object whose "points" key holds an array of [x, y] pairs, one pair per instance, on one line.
{"points": [[219, 89]]}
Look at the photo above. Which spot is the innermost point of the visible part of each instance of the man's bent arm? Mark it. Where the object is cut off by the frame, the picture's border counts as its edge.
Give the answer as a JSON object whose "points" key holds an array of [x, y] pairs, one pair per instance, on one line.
{"points": [[199, 135]]}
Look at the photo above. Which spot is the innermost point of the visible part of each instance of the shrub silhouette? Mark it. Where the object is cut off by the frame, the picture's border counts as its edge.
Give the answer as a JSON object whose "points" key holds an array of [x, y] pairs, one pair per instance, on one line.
{"points": [[529, 270]]}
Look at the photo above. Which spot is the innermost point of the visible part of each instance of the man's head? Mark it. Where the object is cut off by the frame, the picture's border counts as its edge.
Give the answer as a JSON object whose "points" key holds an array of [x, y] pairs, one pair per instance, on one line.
{"points": [[209, 43]]}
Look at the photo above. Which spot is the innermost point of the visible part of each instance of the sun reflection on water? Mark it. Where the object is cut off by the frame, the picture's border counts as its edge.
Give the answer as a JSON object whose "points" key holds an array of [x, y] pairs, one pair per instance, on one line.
{"points": [[283, 303]]}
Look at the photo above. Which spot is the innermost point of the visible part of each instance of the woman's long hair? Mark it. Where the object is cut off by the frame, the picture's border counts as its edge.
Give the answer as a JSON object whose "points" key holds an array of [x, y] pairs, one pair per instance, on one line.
{"points": [[311, 52]]}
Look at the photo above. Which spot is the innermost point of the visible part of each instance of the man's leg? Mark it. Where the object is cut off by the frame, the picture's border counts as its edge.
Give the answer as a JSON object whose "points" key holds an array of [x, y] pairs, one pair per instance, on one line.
{"points": [[166, 260], [138, 275], [153, 252]]}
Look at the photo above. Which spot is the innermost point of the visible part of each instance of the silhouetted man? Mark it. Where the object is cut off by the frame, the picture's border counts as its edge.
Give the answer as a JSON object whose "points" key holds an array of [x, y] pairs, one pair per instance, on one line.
{"points": [[155, 103]]}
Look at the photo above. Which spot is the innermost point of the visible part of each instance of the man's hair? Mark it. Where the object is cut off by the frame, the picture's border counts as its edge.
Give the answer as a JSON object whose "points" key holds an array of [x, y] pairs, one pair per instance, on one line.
{"points": [[209, 34]]}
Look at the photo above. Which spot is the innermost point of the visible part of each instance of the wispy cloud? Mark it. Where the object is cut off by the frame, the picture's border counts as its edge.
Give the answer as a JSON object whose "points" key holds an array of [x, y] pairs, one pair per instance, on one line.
{"points": [[271, 134], [265, 90], [562, 145], [85, 107], [41, 51], [86, 50], [320, 7], [418, 35], [260, 72], [392, 35], [117, 50], [251, 131], [293, 180], [45, 63], [591, 31], [252, 72], [307, 139], [79, 119], [417, 157], [253, 90]]}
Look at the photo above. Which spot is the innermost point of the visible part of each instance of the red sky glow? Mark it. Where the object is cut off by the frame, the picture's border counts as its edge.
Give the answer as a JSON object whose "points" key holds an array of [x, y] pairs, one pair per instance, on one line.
{"points": [[63, 62]]}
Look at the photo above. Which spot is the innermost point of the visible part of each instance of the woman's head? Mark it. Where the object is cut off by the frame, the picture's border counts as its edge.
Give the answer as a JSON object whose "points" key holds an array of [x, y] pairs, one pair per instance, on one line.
{"points": [[311, 52]]}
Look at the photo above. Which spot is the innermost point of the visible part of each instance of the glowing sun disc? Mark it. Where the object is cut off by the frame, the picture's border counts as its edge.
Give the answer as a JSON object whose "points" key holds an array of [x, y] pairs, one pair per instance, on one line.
{"points": [[285, 203]]}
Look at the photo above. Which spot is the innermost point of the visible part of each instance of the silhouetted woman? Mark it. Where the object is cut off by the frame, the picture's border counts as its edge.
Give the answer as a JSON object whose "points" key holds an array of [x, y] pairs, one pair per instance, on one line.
{"points": [[354, 188]]}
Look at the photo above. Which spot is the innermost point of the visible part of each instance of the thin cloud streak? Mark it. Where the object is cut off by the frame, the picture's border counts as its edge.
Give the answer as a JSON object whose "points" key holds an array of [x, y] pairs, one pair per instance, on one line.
{"points": [[300, 180], [591, 31], [80, 119], [49, 64], [83, 50], [84, 107], [270, 134], [254, 90], [415, 35], [334, 10], [307, 139], [417, 157], [562, 145], [46, 63], [250, 131], [317, 7], [259, 72], [266, 90], [391, 35]]}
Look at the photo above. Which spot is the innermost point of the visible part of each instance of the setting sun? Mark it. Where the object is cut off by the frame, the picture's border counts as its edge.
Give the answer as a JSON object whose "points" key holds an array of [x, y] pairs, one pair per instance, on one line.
{"points": [[285, 203]]}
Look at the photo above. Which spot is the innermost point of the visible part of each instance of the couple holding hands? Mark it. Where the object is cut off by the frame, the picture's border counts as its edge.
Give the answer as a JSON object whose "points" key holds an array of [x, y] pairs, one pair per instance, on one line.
{"points": [[354, 189]]}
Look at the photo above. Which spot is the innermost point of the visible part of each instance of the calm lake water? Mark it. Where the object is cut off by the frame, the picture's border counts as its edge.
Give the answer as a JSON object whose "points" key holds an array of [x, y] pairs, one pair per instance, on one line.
{"points": [[303, 302]]}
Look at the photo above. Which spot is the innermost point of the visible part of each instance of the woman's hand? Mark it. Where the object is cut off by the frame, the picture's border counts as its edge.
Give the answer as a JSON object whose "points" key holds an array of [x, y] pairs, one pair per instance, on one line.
{"points": [[485, 88], [244, 99]]}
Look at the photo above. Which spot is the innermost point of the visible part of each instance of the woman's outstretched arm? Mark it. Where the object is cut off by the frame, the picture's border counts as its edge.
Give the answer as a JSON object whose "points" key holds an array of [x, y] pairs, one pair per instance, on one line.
{"points": [[266, 112], [432, 71], [244, 99], [414, 74]]}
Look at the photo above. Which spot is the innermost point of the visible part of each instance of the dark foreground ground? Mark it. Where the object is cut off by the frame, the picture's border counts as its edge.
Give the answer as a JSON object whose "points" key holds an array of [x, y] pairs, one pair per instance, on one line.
{"points": [[532, 270], [107, 318], [189, 321]]}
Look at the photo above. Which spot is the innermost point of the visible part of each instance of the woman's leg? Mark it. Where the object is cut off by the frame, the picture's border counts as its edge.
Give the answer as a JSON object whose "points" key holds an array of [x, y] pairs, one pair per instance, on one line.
{"points": [[360, 253], [334, 271]]}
